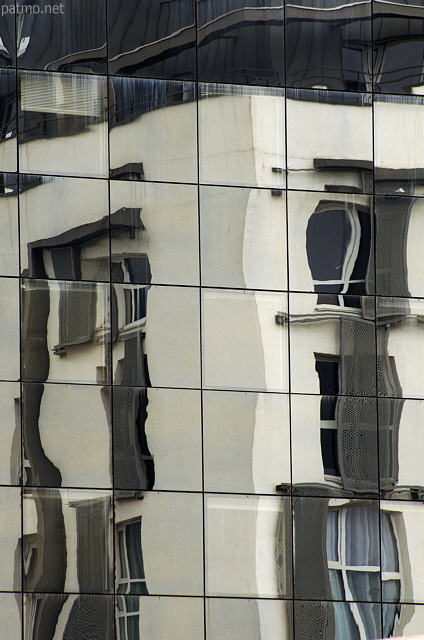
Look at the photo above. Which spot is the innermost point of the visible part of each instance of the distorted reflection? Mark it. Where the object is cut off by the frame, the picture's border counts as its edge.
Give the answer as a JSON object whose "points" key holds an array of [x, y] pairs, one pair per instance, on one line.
{"points": [[66, 540], [248, 546], [241, 41], [63, 124], [65, 37], [152, 130], [248, 619], [242, 135], [8, 124], [152, 39], [7, 36], [67, 617], [9, 254], [235, 226]]}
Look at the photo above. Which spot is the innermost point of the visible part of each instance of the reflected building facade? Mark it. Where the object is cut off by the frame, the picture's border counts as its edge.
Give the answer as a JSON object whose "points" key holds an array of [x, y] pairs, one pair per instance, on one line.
{"points": [[212, 307]]}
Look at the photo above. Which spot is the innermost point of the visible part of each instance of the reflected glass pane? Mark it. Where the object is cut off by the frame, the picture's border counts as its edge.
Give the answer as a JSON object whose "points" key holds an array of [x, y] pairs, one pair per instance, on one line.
{"points": [[241, 135], [75, 615], [156, 336], [329, 141], [160, 245], [246, 438], [8, 124], [9, 253], [9, 329], [398, 46], [241, 41], [164, 531], [331, 245], [153, 130], [161, 618], [328, 45], [75, 244], [340, 332], [156, 439], [10, 533], [65, 331], [338, 620], [349, 569], [397, 619], [400, 346], [11, 616], [7, 34], [65, 37], [59, 450], [152, 39], [66, 540], [334, 441], [399, 156], [243, 238], [10, 440], [63, 124], [242, 619], [248, 549], [244, 341]]}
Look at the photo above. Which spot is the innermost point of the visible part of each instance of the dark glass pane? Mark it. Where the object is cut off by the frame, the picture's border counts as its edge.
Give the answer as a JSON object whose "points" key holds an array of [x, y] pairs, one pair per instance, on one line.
{"points": [[152, 39], [328, 45], [7, 34], [241, 42], [67, 36], [135, 557], [398, 40]]}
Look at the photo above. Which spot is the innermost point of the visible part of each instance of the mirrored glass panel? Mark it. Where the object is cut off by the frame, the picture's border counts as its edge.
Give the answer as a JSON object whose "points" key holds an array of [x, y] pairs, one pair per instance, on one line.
{"points": [[328, 45], [152, 39], [401, 444], [400, 346], [399, 235], [10, 430], [337, 620], [334, 441], [11, 616], [158, 543], [153, 132], [156, 336], [242, 619], [331, 245], [67, 616], [8, 124], [243, 238], [242, 135], [336, 549], [63, 124], [70, 36], [59, 449], [65, 331], [9, 253], [159, 618], [246, 440], [241, 41], [244, 340], [398, 40], [7, 34], [402, 559], [156, 439], [71, 243], [248, 549], [161, 243], [402, 619], [398, 155], [66, 540], [10, 533], [329, 141], [340, 332], [9, 329]]}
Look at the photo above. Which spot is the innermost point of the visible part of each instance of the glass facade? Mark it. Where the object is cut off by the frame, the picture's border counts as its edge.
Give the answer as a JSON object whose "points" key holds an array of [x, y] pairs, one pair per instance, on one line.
{"points": [[212, 312]]}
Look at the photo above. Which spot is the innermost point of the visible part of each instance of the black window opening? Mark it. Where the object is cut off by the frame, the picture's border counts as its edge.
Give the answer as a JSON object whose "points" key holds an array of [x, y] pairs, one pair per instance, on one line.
{"points": [[327, 368], [338, 244]]}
